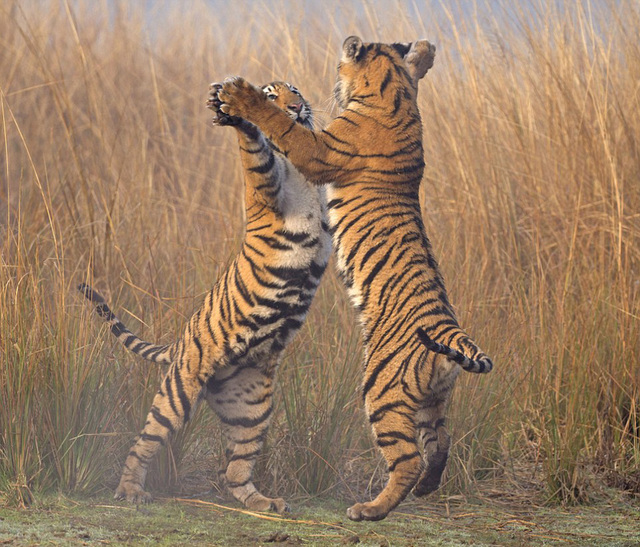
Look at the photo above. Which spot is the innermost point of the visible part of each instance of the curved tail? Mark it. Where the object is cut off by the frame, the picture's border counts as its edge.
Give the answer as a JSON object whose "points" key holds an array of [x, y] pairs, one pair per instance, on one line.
{"points": [[146, 350], [481, 365]]}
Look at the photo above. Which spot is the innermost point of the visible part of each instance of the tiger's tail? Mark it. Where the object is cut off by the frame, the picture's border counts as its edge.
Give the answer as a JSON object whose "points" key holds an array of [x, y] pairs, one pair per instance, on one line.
{"points": [[146, 350], [479, 365]]}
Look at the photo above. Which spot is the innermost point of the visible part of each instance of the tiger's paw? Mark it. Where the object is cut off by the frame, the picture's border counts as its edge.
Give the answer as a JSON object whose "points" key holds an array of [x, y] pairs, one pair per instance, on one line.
{"points": [[259, 502], [133, 494], [240, 98], [366, 511], [214, 103], [426, 486], [429, 482]]}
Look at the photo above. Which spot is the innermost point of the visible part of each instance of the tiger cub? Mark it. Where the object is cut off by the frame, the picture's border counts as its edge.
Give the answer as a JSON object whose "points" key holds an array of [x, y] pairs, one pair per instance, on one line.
{"points": [[372, 153], [233, 344]]}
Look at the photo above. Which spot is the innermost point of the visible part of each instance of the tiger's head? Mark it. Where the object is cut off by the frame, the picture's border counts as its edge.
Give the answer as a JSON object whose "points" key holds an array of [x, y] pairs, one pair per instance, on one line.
{"points": [[289, 99], [368, 69]]}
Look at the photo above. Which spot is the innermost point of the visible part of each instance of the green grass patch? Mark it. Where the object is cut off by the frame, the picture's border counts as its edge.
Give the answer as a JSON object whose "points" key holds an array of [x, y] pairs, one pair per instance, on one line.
{"points": [[99, 521]]}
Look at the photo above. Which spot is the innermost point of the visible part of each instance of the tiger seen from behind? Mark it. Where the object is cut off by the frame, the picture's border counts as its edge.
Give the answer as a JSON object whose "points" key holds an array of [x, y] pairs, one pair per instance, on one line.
{"points": [[231, 347], [372, 153]]}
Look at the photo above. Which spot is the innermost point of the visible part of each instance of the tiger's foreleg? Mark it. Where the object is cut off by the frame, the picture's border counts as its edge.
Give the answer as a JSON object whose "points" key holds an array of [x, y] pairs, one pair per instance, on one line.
{"points": [[171, 408], [243, 401], [393, 421]]}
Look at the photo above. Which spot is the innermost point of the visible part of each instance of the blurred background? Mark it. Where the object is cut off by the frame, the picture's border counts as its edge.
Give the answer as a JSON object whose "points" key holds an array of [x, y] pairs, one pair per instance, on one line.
{"points": [[111, 173]]}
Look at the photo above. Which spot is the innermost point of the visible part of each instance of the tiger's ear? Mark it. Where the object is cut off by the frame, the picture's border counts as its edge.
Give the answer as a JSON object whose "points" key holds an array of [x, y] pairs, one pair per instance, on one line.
{"points": [[352, 49], [419, 59]]}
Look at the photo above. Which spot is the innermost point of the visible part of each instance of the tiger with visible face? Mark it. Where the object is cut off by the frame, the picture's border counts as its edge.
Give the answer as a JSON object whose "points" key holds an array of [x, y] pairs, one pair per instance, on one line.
{"points": [[373, 154], [233, 344]]}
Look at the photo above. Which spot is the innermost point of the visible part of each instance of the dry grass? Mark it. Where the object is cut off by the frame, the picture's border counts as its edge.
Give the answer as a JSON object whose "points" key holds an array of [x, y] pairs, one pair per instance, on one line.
{"points": [[111, 172]]}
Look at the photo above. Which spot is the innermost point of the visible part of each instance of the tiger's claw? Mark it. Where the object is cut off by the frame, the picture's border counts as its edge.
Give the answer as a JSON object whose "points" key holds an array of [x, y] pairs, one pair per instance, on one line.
{"points": [[239, 97], [214, 103]]}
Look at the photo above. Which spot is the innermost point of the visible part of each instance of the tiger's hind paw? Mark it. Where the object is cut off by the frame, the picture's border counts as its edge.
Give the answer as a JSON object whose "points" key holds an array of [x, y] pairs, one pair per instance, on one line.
{"points": [[258, 502], [366, 511], [214, 103], [426, 485], [133, 494]]}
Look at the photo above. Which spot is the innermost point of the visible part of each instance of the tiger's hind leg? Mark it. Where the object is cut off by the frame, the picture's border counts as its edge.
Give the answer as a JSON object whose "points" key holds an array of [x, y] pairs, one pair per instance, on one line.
{"points": [[393, 423], [430, 423], [242, 398], [435, 441], [171, 408]]}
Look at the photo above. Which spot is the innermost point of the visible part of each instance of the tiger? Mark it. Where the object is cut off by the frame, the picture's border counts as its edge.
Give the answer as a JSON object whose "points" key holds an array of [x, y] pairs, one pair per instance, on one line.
{"points": [[232, 345], [371, 158]]}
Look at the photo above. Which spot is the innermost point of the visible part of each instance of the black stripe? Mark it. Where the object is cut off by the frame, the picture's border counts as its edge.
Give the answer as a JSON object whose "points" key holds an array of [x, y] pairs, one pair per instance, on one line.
{"points": [[293, 123], [396, 435], [242, 288], [238, 484], [294, 237], [152, 438], [118, 328], [373, 376], [370, 252], [403, 458], [385, 82], [316, 269], [274, 243], [397, 101], [336, 138], [256, 439], [249, 456], [162, 420], [379, 412], [285, 273], [344, 118], [182, 395], [169, 391], [264, 167], [259, 401], [247, 422], [105, 312], [376, 269], [196, 341]]}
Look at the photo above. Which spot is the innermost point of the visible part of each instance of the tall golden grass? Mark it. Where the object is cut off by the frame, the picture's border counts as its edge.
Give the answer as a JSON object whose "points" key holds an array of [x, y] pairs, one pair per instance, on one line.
{"points": [[111, 172]]}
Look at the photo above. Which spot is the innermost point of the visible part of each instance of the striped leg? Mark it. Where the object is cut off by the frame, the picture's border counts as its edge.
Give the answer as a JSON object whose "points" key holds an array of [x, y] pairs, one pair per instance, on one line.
{"points": [[430, 423], [435, 441], [171, 408], [242, 397], [394, 429]]}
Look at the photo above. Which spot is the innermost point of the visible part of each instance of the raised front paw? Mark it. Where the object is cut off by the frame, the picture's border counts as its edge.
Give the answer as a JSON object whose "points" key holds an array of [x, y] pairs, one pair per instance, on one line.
{"points": [[214, 103], [240, 98]]}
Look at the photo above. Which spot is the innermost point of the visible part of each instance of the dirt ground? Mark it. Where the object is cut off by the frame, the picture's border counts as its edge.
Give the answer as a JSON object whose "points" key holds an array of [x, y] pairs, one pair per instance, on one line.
{"points": [[212, 521]]}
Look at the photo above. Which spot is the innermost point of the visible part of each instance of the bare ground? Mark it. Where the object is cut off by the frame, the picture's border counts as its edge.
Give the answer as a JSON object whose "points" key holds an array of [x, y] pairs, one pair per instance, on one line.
{"points": [[211, 521]]}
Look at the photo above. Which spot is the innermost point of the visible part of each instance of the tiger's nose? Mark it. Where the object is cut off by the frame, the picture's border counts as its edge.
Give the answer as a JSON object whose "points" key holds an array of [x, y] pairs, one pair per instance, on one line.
{"points": [[296, 107]]}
